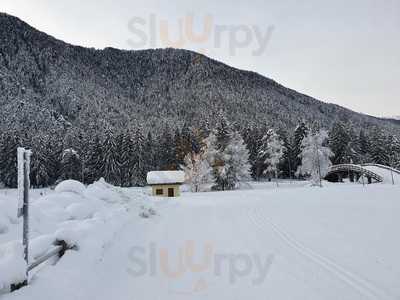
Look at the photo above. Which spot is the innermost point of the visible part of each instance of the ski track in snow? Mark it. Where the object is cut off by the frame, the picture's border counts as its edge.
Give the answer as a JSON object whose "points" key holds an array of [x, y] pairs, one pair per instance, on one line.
{"points": [[364, 287]]}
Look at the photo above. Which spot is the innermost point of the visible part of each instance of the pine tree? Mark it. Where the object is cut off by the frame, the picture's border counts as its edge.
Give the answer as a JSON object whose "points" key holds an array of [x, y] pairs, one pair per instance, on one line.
{"points": [[300, 133], [10, 141], [71, 165], [216, 144], [166, 151], [149, 156], [123, 145], [289, 158], [227, 154], [364, 148], [339, 143], [394, 151], [44, 161], [138, 176], [253, 140], [95, 163], [110, 164], [379, 148]]}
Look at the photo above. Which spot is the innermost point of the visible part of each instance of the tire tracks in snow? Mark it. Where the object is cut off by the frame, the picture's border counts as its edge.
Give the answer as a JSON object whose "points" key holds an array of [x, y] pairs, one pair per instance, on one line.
{"points": [[364, 287]]}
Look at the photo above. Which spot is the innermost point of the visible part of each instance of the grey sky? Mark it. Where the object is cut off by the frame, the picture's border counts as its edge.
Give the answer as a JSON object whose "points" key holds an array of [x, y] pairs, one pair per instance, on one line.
{"points": [[344, 52]]}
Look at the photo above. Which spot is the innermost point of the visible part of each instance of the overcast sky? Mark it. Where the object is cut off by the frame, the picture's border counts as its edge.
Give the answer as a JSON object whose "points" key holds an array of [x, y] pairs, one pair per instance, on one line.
{"points": [[344, 52]]}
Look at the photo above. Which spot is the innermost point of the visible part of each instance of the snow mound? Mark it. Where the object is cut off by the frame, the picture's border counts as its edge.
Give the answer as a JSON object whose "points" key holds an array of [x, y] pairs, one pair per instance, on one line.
{"points": [[71, 186], [12, 264], [101, 190]]}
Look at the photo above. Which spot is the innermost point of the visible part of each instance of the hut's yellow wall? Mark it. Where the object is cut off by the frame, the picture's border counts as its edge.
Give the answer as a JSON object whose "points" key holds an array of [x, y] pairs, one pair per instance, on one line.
{"points": [[165, 188]]}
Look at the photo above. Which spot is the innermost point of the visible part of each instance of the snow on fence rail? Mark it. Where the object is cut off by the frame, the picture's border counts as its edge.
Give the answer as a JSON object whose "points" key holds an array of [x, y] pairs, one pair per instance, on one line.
{"points": [[57, 250]]}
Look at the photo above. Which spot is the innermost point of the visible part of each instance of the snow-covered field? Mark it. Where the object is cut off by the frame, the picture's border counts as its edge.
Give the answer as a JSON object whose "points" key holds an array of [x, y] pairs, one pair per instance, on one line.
{"points": [[291, 242]]}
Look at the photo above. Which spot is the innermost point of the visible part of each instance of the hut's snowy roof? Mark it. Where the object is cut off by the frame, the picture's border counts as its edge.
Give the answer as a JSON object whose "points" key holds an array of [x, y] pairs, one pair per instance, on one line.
{"points": [[165, 177]]}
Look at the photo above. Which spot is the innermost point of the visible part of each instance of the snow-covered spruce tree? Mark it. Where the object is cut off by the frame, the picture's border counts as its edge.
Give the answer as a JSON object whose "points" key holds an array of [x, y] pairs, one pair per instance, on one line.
{"points": [[123, 144], [198, 172], [394, 151], [138, 176], [315, 157], [95, 163], [165, 153], [364, 147], [300, 133], [71, 165], [110, 165], [344, 144], [215, 146], [45, 160], [9, 142], [379, 147], [228, 156], [272, 152], [149, 156], [252, 137], [288, 161], [339, 141]]}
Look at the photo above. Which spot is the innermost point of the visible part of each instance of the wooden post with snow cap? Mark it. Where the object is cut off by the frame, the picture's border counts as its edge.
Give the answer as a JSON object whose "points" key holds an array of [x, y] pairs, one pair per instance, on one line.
{"points": [[24, 158]]}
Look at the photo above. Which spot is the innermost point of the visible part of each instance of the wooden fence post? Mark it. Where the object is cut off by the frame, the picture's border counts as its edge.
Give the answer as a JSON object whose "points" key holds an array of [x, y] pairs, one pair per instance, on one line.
{"points": [[23, 206]]}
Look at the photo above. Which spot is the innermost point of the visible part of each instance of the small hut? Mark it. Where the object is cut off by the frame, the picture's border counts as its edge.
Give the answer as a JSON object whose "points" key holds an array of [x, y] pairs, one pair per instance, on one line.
{"points": [[165, 183]]}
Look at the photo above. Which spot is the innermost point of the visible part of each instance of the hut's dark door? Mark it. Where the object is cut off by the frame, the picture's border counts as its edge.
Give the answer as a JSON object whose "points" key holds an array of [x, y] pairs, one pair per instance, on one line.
{"points": [[171, 192]]}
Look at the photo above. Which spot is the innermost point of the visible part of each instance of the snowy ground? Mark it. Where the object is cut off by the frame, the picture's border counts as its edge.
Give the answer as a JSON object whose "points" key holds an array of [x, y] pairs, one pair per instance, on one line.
{"points": [[291, 242]]}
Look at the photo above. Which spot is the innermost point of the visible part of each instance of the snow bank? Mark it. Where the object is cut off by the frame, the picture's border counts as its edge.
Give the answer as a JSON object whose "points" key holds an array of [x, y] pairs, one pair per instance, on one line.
{"points": [[83, 217], [12, 264], [72, 186]]}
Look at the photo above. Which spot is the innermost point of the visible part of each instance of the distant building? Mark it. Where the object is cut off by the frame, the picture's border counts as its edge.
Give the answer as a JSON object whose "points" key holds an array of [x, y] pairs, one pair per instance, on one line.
{"points": [[165, 183]]}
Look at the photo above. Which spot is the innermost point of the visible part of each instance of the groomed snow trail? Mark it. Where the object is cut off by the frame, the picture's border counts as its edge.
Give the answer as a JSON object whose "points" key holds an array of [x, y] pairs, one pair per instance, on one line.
{"points": [[365, 288], [332, 243]]}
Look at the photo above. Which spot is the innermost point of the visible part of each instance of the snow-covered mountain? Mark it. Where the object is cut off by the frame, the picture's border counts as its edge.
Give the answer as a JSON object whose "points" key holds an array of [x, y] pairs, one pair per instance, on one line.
{"points": [[47, 84]]}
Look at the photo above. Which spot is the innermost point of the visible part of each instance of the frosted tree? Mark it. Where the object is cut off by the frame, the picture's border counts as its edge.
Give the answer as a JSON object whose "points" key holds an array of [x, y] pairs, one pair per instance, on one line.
{"points": [[315, 157], [272, 152], [198, 172], [236, 167], [210, 149], [228, 156]]}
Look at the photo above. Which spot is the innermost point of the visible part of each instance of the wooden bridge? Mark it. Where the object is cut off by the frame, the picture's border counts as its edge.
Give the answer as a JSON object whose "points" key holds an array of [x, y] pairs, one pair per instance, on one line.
{"points": [[336, 173]]}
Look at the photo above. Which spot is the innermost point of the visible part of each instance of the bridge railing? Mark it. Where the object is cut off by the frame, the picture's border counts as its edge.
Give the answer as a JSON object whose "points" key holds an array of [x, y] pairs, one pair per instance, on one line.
{"points": [[383, 167], [355, 168]]}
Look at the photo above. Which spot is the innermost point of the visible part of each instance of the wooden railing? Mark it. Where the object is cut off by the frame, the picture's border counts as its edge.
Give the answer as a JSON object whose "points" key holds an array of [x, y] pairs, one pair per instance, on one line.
{"points": [[354, 168], [382, 167], [58, 249]]}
